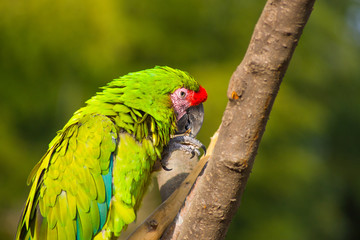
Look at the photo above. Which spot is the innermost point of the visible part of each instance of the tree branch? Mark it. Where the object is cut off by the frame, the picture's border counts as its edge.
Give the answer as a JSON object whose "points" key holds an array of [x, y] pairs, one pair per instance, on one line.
{"points": [[253, 87]]}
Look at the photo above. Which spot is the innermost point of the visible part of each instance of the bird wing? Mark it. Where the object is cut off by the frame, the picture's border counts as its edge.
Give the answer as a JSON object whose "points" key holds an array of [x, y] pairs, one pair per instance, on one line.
{"points": [[72, 184]]}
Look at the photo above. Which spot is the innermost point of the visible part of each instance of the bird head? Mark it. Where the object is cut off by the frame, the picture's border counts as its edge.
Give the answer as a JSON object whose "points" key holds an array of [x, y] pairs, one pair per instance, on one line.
{"points": [[189, 109], [165, 93], [183, 98]]}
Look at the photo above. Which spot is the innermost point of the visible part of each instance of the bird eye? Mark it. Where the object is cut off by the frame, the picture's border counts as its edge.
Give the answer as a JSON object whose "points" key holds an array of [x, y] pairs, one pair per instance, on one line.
{"points": [[182, 94]]}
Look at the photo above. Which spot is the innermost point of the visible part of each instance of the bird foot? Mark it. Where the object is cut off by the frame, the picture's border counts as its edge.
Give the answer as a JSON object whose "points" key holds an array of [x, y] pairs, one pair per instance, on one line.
{"points": [[183, 143]]}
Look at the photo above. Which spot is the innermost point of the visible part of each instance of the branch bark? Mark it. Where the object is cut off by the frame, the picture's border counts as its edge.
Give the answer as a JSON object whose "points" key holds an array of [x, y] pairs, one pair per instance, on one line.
{"points": [[253, 87]]}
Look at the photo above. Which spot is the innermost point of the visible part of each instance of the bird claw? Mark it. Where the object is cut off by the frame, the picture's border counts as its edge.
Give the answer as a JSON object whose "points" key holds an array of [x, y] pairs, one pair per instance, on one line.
{"points": [[192, 154], [164, 166], [184, 143]]}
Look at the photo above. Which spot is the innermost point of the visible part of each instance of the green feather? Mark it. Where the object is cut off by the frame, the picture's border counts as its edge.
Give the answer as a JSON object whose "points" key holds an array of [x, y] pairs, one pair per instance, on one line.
{"points": [[72, 203], [52, 234], [69, 229], [61, 232], [100, 188], [95, 216], [85, 224], [132, 120], [52, 217], [83, 202], [62, 208]]}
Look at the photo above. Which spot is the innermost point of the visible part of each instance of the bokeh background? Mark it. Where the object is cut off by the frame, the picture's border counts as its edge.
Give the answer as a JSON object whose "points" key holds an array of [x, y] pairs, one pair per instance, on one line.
{"points": [[305, 182]]}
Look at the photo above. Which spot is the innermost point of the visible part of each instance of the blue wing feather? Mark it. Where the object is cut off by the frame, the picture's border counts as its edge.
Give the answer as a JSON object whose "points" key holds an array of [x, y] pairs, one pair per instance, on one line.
{"points": [[104, 207]]}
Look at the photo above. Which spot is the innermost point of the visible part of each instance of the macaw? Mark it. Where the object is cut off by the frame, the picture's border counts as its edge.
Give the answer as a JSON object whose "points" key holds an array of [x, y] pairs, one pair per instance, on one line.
{"points": [[90, 182]]}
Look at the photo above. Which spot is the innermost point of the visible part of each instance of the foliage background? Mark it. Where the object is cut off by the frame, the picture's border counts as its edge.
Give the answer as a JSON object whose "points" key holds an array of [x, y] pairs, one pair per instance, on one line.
{"points": [[305, 182]]}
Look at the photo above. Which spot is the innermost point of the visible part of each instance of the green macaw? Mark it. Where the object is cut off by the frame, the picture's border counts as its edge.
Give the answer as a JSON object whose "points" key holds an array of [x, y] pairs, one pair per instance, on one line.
{"points": [[91, 180]]}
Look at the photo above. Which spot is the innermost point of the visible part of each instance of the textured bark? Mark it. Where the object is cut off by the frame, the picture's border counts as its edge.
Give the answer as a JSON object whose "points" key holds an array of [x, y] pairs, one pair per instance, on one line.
{"points": [[253, 87]]}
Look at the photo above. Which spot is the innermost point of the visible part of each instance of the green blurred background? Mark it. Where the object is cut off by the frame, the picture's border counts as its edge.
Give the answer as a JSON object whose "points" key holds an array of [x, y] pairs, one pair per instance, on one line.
{"points": [[305, 182]]}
